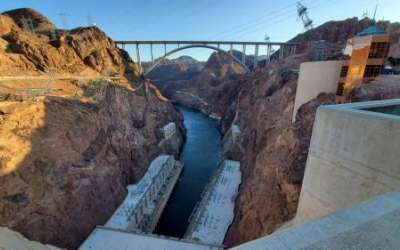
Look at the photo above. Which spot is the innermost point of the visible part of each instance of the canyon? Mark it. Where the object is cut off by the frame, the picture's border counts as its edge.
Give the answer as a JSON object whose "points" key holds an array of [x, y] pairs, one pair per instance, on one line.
{"points": [[272, 150], [84, 124], [76, 143]]}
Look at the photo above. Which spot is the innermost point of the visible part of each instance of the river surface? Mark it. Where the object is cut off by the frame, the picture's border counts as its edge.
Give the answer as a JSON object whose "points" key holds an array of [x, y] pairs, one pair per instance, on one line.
{"points": [[201, 155]]}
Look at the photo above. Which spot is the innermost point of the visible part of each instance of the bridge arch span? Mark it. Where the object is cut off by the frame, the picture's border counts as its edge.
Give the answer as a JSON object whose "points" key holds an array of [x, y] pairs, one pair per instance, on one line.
{"points": [[159, 60]]}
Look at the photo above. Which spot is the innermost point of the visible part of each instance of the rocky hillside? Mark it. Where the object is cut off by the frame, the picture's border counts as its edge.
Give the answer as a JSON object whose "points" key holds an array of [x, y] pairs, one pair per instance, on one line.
{"points": [[211, 89], [181, 68], [71, 141], [336, 33], [41, 48], [272, 150]]}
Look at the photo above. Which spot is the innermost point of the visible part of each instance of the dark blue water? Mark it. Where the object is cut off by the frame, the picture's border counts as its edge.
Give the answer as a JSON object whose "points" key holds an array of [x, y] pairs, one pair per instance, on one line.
{"points": [[201, 155]]}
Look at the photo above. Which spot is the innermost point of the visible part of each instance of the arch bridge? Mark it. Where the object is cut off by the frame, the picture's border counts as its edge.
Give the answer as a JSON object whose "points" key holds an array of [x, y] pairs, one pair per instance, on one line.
{"points": [[284, 49]]}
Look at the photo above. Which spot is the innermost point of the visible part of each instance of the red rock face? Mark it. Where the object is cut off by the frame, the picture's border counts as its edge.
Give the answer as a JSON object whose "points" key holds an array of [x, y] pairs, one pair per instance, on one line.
{"points": [[69, 148], [210, 90]]}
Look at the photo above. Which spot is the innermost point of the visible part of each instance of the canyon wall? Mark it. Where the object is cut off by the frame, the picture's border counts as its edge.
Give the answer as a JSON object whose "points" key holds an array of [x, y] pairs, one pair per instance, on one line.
{"points": [[210, 90], [70, 144], [272, 149]]}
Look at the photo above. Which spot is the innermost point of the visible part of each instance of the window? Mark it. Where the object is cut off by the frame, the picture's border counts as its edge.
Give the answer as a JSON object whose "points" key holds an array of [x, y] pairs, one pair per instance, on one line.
{"points": [[340, 89], [372, 70], [343, 71], [378, 50]]}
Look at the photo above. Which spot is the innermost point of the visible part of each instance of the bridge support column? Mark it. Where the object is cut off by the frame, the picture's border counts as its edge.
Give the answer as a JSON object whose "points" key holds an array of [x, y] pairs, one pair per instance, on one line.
{"points": [[123, 46], [231, 49], [244, 54], [138, 56], [269, 51], [281, 52], [151, 53], [255, 63], [294, 50], [165, 49]]}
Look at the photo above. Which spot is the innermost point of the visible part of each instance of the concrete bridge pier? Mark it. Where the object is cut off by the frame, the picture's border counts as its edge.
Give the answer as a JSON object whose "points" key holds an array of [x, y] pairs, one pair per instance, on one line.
{"points": [[138, 56], [269, 51], [244, 54], [281, 52], [151, 53], [255, 64]]}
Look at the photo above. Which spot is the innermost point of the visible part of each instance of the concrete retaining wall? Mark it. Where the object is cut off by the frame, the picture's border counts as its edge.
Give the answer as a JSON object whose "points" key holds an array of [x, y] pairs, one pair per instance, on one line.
{"points": [[354, 155], [315, 78]]}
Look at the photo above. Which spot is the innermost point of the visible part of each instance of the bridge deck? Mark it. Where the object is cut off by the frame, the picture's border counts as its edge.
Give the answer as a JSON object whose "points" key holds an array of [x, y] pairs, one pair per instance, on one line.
{"points": [[202, 42]]}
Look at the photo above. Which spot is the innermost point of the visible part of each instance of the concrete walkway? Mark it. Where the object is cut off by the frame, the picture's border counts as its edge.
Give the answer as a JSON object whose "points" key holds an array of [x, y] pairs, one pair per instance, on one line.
{"points": [[374, 224]]}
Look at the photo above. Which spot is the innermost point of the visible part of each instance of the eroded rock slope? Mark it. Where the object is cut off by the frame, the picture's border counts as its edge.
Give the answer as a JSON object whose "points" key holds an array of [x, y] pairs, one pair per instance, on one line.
{"points": [[71, 142]]}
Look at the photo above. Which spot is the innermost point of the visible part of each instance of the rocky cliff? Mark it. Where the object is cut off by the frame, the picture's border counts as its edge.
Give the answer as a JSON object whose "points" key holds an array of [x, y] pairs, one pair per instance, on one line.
{"points": [[41, 48], [273, 151], [211, 90], [181, 68], [70, 140]]}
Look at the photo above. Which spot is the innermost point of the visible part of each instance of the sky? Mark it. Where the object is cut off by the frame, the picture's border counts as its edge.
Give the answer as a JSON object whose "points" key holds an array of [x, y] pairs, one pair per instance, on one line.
{"points": [[239, 20]]}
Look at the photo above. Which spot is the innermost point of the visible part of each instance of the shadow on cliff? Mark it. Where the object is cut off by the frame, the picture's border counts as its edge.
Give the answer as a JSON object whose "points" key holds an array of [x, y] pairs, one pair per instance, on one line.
{"points": [[57, 194]]}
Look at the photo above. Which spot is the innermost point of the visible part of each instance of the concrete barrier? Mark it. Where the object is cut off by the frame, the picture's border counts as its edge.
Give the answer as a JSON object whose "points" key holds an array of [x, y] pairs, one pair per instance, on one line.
{"points": [[354, 155]]}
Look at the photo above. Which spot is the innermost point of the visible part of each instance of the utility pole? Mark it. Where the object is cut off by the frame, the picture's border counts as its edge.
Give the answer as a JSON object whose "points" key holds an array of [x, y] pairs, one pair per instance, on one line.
{"points": [[376, 9], [302, 12], [64, 22], [89, 20], [365, 14]]}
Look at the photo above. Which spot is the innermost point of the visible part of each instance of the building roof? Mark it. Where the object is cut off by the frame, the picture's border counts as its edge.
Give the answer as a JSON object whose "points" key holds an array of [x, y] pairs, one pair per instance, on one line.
{"points": [[372, 30]]}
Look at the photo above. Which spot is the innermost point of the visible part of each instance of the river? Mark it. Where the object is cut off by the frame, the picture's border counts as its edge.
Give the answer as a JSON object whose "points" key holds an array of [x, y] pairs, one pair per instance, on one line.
{"points": [[201, 155]]}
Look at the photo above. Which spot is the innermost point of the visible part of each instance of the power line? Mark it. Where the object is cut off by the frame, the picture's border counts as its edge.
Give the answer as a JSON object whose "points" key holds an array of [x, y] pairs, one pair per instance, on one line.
{"points": [[64, 21], [254, 21], [278, 19], [274, 15]]}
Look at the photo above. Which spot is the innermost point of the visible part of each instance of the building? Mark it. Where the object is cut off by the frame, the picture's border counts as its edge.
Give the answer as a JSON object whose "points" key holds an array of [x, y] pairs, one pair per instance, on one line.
{"points": [[315, 78], [364, 60], [366, 56]]}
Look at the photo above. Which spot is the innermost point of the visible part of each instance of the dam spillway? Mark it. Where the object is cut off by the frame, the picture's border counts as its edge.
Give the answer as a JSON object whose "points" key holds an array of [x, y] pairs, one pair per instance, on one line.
{"points": [[143, 205]]}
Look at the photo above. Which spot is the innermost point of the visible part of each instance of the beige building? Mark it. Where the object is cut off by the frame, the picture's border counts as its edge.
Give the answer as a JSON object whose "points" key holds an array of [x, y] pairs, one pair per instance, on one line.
{"points": [[316, 78]]}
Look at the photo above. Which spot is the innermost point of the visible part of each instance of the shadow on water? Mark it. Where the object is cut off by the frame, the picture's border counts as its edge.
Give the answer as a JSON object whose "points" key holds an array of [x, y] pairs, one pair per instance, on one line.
{"points": [[201, 154]]}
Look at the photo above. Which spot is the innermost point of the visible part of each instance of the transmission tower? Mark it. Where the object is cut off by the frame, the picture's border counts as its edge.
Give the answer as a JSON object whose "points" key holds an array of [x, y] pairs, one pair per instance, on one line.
{"points": [[64, 22], [89, 20], [302, 11]]}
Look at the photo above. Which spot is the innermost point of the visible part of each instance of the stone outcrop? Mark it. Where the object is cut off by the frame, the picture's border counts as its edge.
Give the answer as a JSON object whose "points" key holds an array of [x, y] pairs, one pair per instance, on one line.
{"points": [[210, 91], [384, 87], [69, 147], [181, 68], [275, 151], [28, 17], [82, 51]]}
